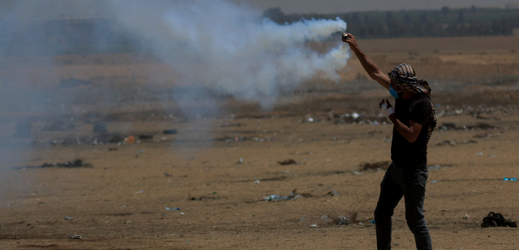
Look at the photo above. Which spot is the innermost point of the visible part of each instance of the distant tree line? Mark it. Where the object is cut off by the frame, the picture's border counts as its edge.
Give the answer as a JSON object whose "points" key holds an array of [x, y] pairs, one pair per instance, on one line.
{"points": [[102, 35], [445, 22]]}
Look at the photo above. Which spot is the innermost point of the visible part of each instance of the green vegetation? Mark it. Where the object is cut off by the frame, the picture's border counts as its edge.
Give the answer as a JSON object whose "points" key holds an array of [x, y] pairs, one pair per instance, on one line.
{"points": [[445, 22]]}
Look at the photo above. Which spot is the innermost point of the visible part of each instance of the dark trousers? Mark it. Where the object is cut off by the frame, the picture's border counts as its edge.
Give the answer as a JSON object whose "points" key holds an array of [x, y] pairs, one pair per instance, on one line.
{"points": [[408, 182]]}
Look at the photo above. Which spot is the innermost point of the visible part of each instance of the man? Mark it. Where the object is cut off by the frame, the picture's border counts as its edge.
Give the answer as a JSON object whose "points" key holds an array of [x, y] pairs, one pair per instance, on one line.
{"points": [[413, 120]]}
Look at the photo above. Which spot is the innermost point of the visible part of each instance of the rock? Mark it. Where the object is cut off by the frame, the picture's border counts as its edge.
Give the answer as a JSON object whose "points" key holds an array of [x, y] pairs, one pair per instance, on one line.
{"points": [[325, 218], [335, 193], [342, 220]]}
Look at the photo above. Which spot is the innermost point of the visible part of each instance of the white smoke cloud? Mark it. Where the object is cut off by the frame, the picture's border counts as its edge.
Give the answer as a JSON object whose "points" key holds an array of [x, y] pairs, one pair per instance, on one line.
{"points": [[231, 48]]}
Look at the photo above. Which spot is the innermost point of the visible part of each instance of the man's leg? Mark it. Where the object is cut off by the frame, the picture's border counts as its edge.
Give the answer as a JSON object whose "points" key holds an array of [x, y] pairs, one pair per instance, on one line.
{"points": [[414, 193], [390, 195]]}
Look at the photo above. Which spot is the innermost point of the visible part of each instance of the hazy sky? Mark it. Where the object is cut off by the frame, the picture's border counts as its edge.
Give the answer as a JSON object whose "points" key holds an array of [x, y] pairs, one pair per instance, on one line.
{"points": [[334, 6], [97, 7]]}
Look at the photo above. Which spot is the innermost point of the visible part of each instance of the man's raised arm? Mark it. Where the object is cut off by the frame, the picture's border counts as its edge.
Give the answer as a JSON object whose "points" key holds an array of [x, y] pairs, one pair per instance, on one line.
{"points": [[371, 68]]}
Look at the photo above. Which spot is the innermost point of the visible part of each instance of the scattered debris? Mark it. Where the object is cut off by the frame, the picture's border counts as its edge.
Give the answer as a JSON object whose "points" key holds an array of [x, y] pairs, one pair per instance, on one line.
{"points": [[173, 209], [342, 220], [139, 152], [99, 138], [334, 193], [75, 237], [69, 218], [146, 137], [78, 163], [478, 126], [465, 217], [485, 135], [106, 138], [256, 181], [446, 142], [435, 167], [256, 138], [294, 194], [313, 226], [240, 161], [231, 139], [453, 143], [167, 175], [130, 139], [170, 132], [374, 165], [191, 198], [509, 179], [276, 197], [226, 125], [287, 162], [497, 220], [482, 126], [447, 126], [357, 118]]}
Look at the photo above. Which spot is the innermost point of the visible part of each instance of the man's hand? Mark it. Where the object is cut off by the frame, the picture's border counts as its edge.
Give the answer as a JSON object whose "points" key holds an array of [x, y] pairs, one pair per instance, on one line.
{"points": [[411, 132], [350, 39], [386, 108]]}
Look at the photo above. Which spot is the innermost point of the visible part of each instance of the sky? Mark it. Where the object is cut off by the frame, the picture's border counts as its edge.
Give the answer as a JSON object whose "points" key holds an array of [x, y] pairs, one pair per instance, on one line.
{"points": [[96, 7], [336, 6]]}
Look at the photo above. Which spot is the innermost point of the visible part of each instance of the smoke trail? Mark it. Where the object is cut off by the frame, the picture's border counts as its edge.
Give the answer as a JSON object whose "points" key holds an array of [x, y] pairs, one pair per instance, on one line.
{"points": [[231, 49]]}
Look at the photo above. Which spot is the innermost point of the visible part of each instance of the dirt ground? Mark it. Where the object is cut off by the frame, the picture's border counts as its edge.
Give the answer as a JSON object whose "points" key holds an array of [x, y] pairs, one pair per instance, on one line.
{"points": [[217, 168]]}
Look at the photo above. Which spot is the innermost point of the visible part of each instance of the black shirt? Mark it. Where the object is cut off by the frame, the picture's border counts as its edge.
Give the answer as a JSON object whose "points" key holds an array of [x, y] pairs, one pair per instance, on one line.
{"points": [[403, 152]]}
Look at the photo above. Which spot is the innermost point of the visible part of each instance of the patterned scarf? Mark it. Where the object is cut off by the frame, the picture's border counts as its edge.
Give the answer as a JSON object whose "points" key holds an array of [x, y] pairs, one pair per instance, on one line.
{"points": [[405, 78]]}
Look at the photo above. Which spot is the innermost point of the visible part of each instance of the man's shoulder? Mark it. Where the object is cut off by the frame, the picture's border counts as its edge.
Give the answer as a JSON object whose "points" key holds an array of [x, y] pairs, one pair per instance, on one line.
{"points": [[420, 101]]}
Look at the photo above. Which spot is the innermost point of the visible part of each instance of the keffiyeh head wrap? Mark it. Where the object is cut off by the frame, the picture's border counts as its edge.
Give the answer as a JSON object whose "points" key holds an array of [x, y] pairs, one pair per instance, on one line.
{"points": [[405, 78]]}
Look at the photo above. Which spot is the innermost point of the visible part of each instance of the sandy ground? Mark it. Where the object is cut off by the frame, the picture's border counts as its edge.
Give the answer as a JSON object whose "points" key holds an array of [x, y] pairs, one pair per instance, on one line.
{"points": [[217, 169]]}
